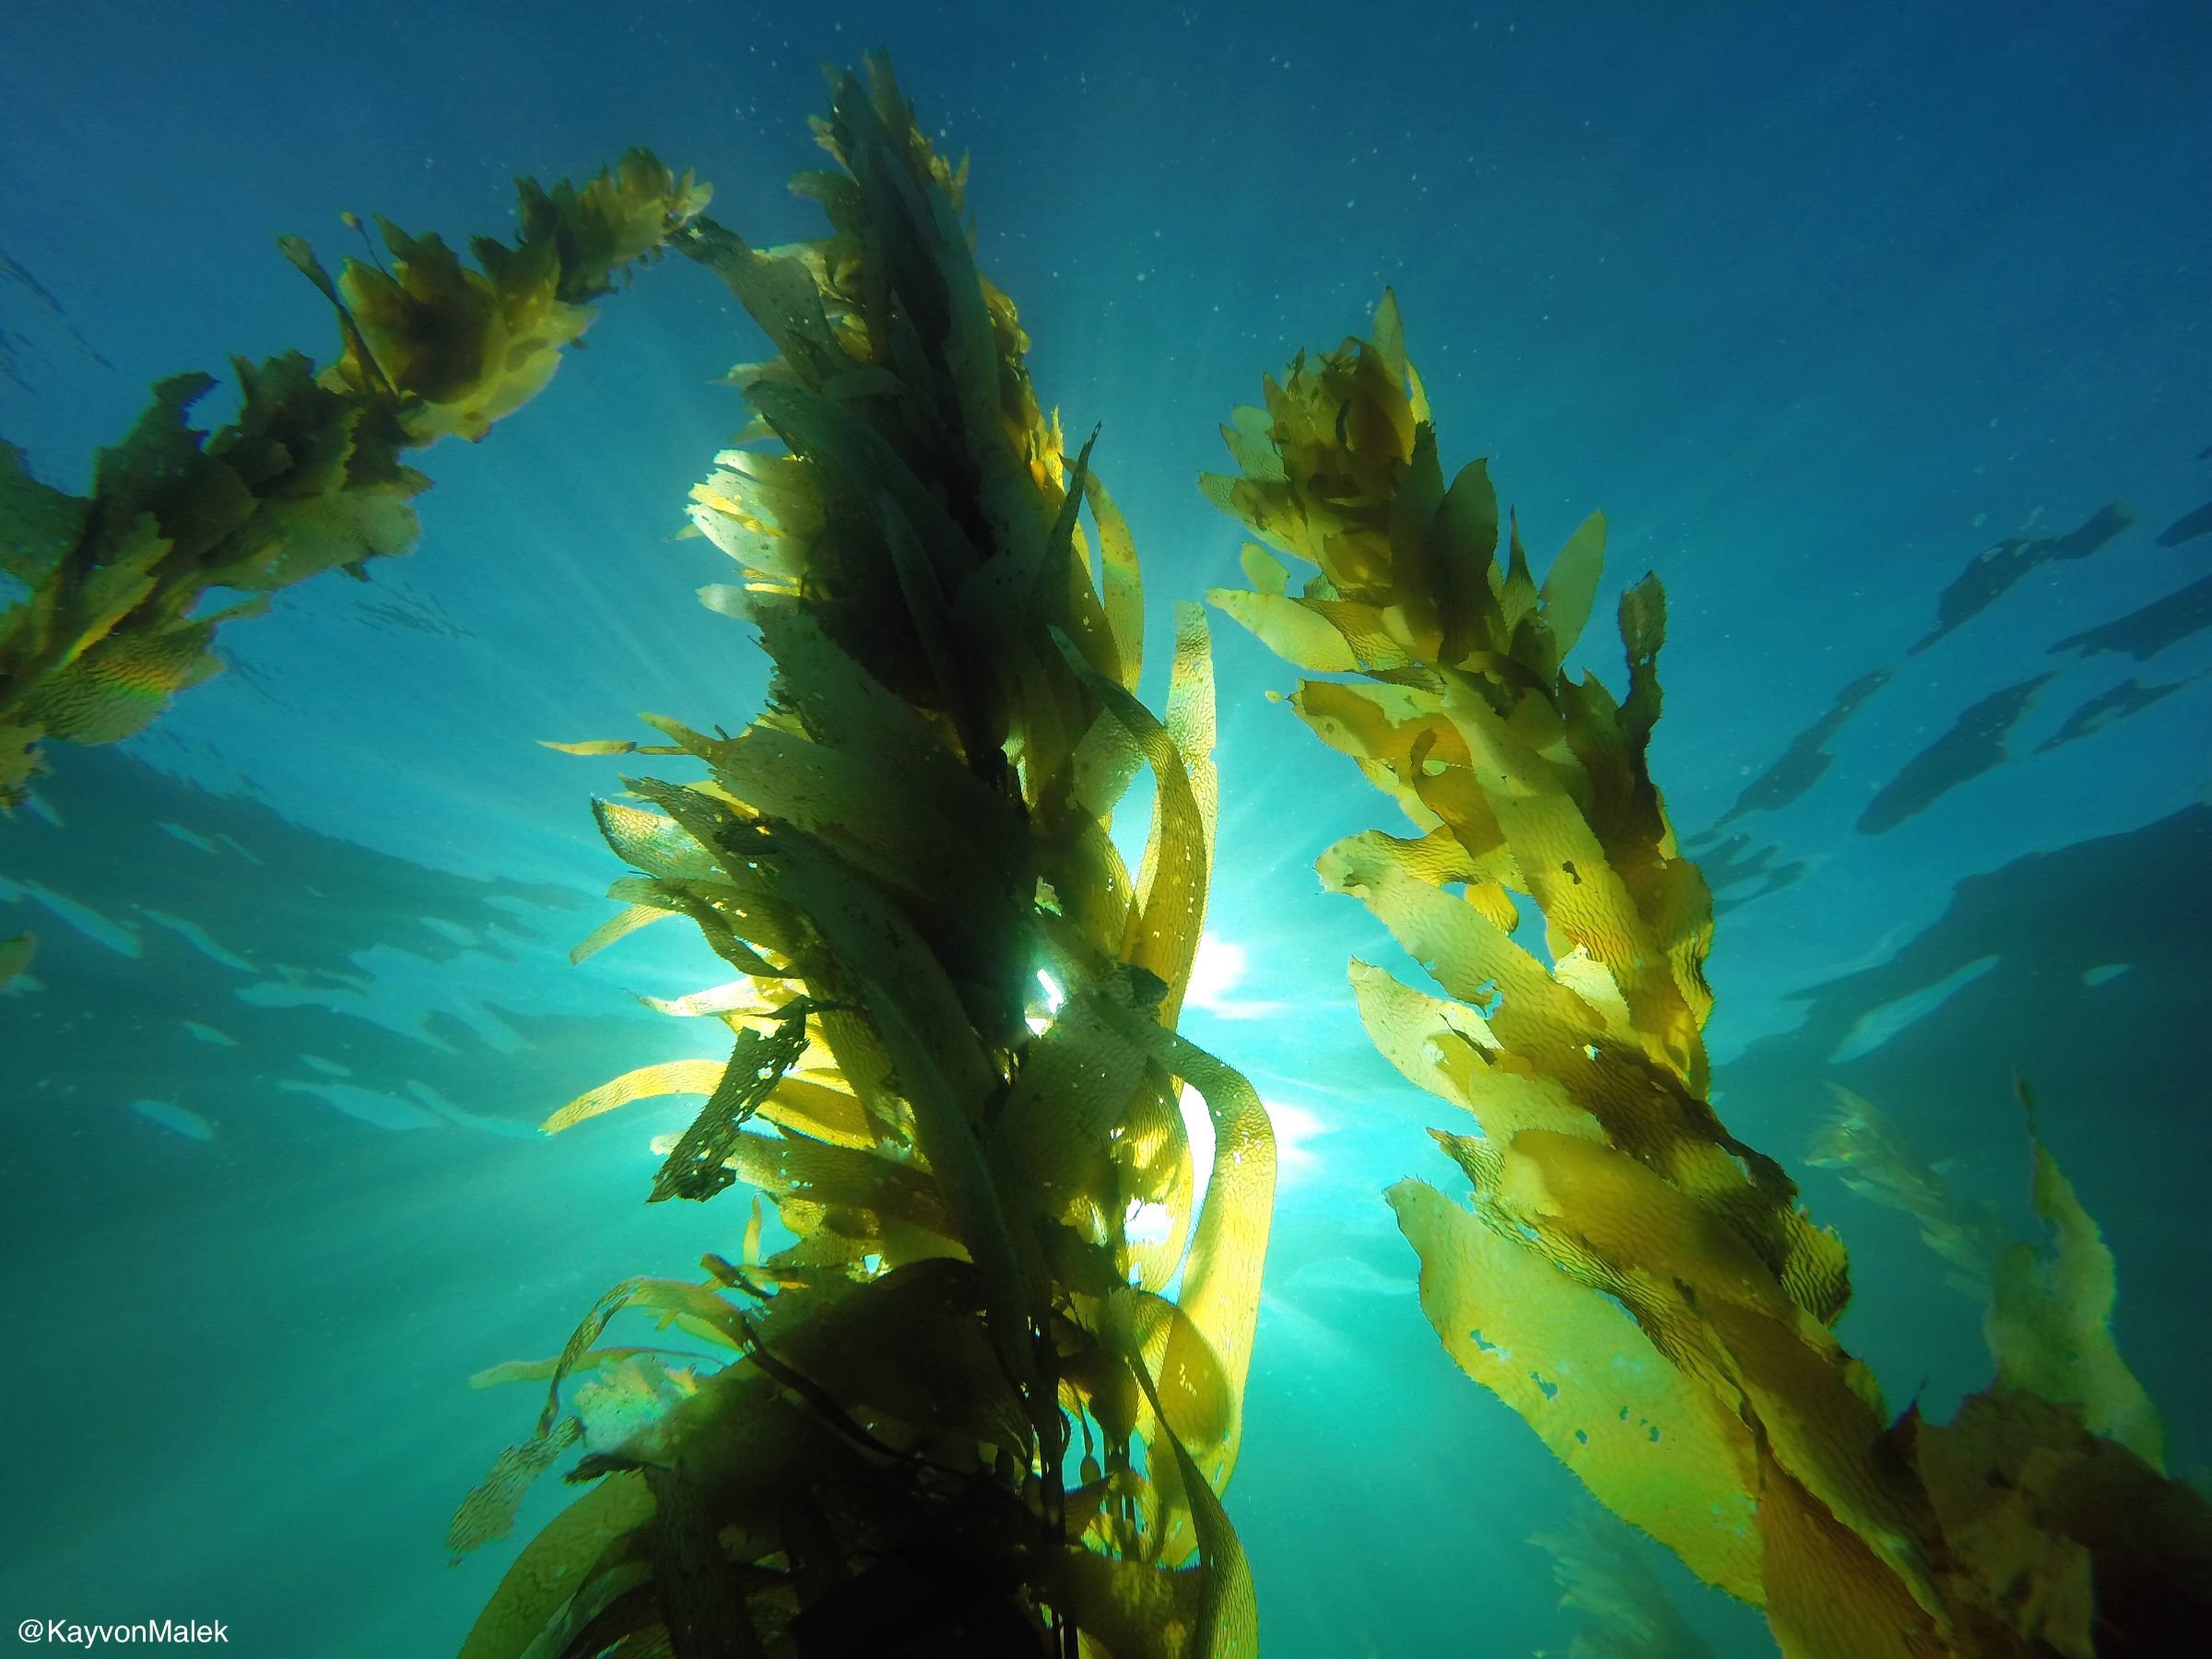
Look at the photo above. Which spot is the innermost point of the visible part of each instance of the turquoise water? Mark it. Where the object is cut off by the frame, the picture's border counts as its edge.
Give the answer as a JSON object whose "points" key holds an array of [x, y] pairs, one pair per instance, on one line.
{"points": [[1818, 305]]}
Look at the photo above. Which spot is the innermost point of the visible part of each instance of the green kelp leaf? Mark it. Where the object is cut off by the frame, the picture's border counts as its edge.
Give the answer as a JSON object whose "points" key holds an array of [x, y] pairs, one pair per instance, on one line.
{"points": [[1267, 574], [1570, 586], [307, 478], [554, 1564], [16, 956], [944, 1074], [1122, 583], [1652, 1445], [697, 1167], [654, 843], [1388, 335], [1463, 561], [1876, 1159], [38, 523], [2049, 1323], [779, 294]]}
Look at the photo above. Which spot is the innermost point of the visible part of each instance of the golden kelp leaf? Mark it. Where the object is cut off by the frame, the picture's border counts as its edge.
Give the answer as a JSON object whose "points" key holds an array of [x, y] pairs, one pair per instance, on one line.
{"points": [[647, 1082], [1652, 1445], [2049, 1323], [738, 996], [1291, 628], [1123, 586], [622, 923], [1828, 1596], [597, 746]]}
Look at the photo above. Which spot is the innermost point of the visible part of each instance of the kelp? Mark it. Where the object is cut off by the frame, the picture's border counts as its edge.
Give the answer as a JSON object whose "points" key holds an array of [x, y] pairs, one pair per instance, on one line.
{"points": [[1645, 1289], [1873, 1158], [1625, 1610], [125, 589], [968, 1407]]}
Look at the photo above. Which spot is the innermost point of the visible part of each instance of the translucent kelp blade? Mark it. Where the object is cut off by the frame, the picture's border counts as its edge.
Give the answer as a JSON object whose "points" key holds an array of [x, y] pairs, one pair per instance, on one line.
{"points": [[553, 1564], [488, 1512], [2049, 1323], [1652, 1445], [647, 1082]]}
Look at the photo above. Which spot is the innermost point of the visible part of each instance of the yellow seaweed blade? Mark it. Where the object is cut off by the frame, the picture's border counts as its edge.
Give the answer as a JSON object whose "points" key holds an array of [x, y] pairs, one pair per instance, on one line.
{"points": [[647, 1082], [1652, 1445]]}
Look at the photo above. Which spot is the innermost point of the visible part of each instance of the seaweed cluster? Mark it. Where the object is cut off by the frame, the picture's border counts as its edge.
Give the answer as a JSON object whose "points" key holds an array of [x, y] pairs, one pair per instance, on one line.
{"points": [[1641, 1288], [124, 589], [983, 1399]]}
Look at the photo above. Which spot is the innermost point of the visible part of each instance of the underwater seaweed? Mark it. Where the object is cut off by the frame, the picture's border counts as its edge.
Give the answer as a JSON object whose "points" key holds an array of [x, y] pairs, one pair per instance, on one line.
{"points": [[1874, 1158], [1641, 1288], [1626, 1611], [125, 588], [965, 1410]]}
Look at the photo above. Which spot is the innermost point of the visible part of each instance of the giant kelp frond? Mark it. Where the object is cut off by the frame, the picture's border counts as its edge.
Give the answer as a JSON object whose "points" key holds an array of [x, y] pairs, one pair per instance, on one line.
{"points": [[1644, 1289], [1875, 1160], [124, 589], [969, 1408]]}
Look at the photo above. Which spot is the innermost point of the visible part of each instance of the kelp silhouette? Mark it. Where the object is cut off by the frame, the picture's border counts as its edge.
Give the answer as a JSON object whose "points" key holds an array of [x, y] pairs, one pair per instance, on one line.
{"points": [[310, 477], [961, 1412], [1640, 1287]]}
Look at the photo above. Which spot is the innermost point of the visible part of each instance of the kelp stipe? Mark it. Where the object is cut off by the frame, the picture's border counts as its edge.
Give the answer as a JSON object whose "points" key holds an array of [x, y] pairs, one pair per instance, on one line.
{"points": [[310, 476], [962, 1412], [1638, 1285]]}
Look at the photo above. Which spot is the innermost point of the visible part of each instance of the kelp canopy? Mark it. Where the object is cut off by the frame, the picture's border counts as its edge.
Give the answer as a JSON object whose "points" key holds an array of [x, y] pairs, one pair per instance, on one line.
{"points": [[184, 532], [983, 1402], [1640, 1287]]}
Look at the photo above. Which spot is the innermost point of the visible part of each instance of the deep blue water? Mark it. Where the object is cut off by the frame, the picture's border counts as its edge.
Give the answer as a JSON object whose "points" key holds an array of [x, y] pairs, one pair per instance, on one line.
{"points": [[1817, 302]]}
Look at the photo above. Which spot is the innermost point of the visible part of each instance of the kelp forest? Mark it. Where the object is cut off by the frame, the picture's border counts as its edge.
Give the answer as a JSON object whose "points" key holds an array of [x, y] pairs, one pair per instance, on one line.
{"points": [[963, 1366]]}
